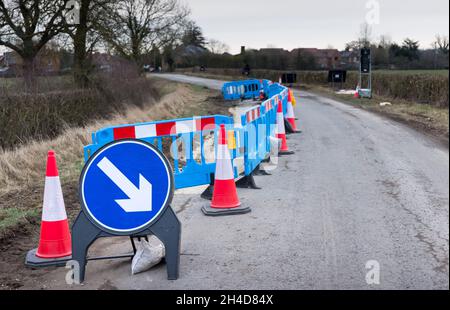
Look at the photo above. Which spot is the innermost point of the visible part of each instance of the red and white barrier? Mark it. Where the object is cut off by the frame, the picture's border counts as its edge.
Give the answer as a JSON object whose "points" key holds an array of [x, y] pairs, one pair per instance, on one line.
{"points": [[253, 114], [164, 129]]}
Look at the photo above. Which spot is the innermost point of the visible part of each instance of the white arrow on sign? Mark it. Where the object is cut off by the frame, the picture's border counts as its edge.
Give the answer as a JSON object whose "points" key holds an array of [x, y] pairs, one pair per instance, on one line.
{"points": [[140, 198]]}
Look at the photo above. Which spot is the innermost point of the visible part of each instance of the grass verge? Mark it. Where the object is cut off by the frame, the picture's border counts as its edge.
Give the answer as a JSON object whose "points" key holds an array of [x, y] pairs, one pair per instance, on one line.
{"points": [[22, 171], [431, 120]]}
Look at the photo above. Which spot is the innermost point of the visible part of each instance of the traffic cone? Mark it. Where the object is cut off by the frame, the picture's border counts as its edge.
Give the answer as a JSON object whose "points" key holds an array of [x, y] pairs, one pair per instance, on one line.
{"points": [[225, 200], [55, 244], [281, 131], [293, 100], [356, 94], [291, 114]]}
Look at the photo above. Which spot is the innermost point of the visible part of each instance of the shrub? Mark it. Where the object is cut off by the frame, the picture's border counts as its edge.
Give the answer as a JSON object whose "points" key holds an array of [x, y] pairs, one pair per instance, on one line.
{"points": [[44, 114]]}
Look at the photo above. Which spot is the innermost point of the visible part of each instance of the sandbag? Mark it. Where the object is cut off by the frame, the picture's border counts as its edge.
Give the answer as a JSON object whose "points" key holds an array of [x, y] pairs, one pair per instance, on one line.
{"points": [[148, 255]]}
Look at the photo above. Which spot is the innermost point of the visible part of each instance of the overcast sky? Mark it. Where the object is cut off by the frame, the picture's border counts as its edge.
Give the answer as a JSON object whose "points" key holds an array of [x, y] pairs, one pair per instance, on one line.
{"points": [[316, 23]]}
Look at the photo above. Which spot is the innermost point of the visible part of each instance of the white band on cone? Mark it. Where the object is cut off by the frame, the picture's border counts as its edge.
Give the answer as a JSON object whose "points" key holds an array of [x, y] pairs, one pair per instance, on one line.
{"points": [[224, 169], [290, 110], [280, 124], [54, 209]]}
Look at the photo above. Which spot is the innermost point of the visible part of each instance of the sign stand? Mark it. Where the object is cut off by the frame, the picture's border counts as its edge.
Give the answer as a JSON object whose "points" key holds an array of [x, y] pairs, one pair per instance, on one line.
{"points": [[126, 190], [365, 72], [167, 229]]}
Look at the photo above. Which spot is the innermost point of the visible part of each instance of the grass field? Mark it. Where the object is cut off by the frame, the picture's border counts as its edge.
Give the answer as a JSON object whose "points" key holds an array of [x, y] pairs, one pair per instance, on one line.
{"points": [[405, 72], [419, 72], [429, 119]]}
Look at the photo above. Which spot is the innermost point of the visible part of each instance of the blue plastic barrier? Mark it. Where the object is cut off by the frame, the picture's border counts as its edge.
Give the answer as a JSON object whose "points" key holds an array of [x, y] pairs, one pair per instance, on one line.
{"points": [[270, 118], [254, 140], [278, 89], [188, 170], [245, 89], [259, 124], [182, 136]]}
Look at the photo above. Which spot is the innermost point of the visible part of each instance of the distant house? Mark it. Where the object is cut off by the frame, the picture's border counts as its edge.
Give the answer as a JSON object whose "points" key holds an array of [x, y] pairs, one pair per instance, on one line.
{"points": [[3, 67], [187, 54], [349, 59], [325, 58], [47, 62], [190, 50], [9, 64], [102, 61], [274, 52]]}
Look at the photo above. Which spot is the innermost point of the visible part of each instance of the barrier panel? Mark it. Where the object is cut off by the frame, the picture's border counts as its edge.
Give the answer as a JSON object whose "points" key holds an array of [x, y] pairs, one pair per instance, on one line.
{"points": [[258, 126], [245, 89], [270, 118], [120, 153], [192, 141], [282, 91], [185, 139]]}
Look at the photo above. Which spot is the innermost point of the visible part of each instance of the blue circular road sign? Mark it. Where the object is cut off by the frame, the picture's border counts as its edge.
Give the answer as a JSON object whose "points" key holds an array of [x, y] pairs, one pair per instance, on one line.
{"points": [[125, 186]]}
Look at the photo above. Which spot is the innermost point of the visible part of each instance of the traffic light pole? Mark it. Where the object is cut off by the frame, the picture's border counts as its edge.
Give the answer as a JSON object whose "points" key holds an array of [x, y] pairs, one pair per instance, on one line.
{"points": [[365, 70]]}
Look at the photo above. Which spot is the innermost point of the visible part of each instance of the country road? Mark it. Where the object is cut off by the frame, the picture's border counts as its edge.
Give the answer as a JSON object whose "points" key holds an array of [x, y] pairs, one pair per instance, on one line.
{"points": [[359, 188]]}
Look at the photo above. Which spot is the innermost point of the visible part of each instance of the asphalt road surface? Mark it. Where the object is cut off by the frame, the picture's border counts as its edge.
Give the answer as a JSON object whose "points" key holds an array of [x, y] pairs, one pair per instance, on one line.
{"points": [[360, 188]]}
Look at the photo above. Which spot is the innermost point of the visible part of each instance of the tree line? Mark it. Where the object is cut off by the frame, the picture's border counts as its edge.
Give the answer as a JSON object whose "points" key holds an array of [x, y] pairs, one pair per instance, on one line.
{"points": [[386, 54], [131, 29]]}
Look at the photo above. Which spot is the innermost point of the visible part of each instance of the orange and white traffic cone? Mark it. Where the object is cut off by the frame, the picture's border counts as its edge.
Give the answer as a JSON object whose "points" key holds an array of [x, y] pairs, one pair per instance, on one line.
{"points": [[356, 94], [55, 244], [281, 131], [290, 115], [225, 200]]}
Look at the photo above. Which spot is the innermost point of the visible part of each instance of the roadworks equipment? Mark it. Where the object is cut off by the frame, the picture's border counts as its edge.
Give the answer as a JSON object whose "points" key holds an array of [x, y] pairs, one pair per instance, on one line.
{"points": [[290, 114], [281, 131], [55, 243], [225, 200]]}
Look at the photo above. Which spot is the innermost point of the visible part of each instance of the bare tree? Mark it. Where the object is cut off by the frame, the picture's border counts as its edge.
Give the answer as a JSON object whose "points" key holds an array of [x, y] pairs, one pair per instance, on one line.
{"points": [[217, 47], [364, 39], [84, 34], [442, 44], [385, 41], [137, 26], [365, 34], [26, 26]]}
